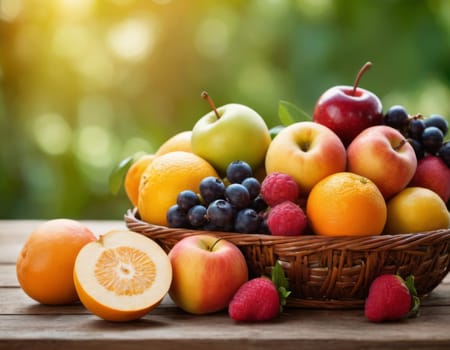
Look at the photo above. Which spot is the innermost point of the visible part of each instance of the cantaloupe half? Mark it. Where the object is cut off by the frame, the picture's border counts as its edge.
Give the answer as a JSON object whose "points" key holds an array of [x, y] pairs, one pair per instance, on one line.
{"points": [[122, 276]]}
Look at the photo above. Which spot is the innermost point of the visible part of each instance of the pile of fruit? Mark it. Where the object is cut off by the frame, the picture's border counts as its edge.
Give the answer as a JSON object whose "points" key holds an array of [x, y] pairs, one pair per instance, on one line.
{"points": [[349, 170]]}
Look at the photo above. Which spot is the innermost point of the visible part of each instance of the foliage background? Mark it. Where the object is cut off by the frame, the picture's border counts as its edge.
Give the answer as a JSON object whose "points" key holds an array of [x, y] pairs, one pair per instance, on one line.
{"points": [[85, 83]]}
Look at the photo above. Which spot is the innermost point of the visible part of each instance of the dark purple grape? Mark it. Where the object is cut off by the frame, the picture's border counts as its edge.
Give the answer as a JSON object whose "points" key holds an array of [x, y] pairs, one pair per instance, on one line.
{"points": [[432, 138], [418, 148], [263, 227], [211, 188], [253, 186], [187, 199], [444, 153], [259, 204], [416, 128], [177, 218], [438, 121], [238, 171], [197, 216], [220, 214], [237, 195], [396, 117], [247, 221]]}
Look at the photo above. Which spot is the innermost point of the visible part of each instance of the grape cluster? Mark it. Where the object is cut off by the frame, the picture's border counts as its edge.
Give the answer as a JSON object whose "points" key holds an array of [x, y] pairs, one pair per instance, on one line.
{"points": [[426, 135], [232, 204]]}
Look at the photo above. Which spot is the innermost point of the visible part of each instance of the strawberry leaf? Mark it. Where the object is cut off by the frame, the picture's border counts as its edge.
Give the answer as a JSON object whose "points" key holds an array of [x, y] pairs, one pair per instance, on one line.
{"points": [[281, 282], [415, 300], [289, 113]]}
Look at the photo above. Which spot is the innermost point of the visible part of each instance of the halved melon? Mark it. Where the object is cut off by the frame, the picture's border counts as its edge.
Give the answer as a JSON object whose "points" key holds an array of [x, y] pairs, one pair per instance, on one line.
{"points": [[122, 276]]}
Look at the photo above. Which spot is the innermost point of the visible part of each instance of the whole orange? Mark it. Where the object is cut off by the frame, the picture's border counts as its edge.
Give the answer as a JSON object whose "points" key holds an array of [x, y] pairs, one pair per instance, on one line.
{"points": [[178, 142], [346, 204], [45, 264], [133, 177], [165, 178]]}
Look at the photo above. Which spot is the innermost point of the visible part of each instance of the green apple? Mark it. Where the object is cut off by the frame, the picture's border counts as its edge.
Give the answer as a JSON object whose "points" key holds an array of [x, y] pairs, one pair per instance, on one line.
{"points": [[228, 133]]}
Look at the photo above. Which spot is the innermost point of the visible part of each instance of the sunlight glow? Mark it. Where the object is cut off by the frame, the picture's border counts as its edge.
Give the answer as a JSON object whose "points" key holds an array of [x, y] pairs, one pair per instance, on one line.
{"points": [[10, 9], [73, 41], [74, 9], [52, 133], [212, 37], [137, 144], [94, 145], [132, 39], [97, 69]]}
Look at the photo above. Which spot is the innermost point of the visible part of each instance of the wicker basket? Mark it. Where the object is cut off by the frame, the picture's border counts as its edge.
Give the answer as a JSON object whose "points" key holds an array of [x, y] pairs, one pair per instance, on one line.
{"points": [[329, 272]]}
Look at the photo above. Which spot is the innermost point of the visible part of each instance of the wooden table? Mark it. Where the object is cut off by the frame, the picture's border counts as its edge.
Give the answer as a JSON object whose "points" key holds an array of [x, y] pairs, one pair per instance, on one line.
{"points": [[27, 324]]}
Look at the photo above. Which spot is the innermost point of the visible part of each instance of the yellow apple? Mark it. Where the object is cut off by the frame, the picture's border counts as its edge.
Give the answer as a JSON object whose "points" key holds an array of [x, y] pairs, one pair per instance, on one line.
{"points": [[308, 152]]}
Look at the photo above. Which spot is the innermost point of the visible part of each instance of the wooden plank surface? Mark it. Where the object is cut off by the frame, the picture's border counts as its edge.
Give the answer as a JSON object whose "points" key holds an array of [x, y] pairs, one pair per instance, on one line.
{"points": [[27, 324]]}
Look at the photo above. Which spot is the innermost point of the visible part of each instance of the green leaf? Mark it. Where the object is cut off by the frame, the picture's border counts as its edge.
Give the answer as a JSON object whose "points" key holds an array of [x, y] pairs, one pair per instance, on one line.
{"points": [[118, 173], [415, 300], [289, 113], [281, 282]]}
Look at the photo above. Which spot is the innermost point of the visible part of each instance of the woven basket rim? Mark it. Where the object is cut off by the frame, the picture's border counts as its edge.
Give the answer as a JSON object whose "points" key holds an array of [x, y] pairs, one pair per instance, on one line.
{"points": [[374, 241]]}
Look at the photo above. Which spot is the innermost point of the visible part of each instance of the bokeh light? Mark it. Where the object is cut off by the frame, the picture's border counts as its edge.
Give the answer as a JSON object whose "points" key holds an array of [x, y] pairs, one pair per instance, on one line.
{"points": [[86, 83]]}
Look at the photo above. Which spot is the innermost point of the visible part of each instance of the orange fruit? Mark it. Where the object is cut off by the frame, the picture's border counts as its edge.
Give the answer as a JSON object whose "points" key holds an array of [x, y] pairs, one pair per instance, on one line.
{"points": [[178, 142], [122, 276], [346, 204], [416, 209], [165, 178], [133, 177], [44, 266]]}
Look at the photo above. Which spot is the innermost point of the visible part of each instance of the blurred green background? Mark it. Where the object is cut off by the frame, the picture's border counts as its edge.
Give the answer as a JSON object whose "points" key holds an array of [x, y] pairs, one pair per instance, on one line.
{"points": [[85, 83]]}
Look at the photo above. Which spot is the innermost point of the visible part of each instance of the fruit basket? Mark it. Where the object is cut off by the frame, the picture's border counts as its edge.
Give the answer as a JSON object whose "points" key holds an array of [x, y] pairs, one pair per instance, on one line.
{"points": [[328, 272]]}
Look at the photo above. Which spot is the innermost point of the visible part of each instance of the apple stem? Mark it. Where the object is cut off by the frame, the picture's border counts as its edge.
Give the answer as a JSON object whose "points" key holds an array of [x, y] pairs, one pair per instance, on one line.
{"points": [[208, 98], [359, 75], [217, 241], [400, 145]]}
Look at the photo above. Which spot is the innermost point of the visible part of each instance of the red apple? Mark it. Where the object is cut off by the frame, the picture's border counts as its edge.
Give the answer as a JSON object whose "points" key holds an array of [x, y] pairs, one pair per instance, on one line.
{"points": [[433, 173], [348, 110], [308, 152], [382, 154], [207, 271]]}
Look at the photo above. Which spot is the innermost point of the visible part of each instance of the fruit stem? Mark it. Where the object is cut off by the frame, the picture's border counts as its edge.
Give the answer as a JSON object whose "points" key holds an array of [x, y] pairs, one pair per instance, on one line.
{"points": [[208, 98], [214, 244], [359, 75], [400, 145]]}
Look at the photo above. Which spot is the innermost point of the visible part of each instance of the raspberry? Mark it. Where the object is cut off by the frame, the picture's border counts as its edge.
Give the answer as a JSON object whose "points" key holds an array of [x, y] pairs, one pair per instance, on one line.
{"points": [[279, 187], [286, 219]]}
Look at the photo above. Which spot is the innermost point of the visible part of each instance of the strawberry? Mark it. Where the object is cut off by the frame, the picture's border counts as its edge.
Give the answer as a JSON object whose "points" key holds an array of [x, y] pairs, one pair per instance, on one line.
{"points": [[261, 298], [391, 298]]}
